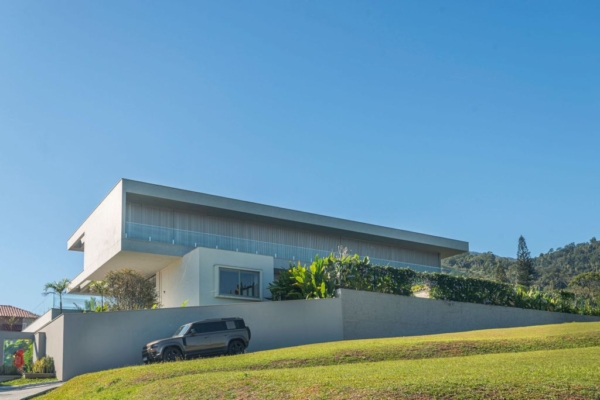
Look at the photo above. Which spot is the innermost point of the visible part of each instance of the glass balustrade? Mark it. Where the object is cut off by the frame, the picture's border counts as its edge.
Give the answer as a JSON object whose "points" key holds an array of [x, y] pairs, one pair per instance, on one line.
{"points": [[186, 238], [69, 302]]}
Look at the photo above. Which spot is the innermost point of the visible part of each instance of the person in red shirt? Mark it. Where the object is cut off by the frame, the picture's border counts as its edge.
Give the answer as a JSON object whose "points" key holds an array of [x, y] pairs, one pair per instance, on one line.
{"points": [[19, 360]]}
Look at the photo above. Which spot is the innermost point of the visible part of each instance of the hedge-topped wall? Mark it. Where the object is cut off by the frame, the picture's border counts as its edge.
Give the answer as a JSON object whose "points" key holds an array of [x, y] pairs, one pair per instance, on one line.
{"points": [[325, 275]]}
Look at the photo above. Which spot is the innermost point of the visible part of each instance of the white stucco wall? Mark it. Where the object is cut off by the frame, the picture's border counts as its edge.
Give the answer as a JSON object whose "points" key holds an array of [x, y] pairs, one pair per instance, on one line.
{"points": [[194, 278], [101, 232], [180, 281]]}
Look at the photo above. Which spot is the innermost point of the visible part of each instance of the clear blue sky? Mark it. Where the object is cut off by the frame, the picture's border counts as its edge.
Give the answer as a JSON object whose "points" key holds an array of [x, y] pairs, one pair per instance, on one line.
{"points": [[474, 120]]}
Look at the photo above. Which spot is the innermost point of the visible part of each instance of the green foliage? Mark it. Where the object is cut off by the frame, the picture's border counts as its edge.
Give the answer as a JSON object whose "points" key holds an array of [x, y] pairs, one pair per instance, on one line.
{"points": [[10, 347], [469, 290], [524, 266], [100, 288], [587, 285], [58, 287], [22, 381], [298, 282], [129, 290], [554, 269], [325, 275], [92, 305], [44, 365], [500, 272]]}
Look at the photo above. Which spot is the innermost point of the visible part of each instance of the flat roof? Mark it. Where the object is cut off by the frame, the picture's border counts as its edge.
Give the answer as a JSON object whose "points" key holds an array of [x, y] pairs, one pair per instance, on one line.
{"points": [[151, 194]]}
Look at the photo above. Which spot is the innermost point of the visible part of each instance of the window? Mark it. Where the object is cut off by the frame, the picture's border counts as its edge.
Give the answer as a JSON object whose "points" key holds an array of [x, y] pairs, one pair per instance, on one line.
{"points": [[207, 327], [239, 282], [182, 330]]}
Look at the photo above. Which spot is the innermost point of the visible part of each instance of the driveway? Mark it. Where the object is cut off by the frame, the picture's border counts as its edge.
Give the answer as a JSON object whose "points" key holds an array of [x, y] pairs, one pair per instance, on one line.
{"points": [[26, 391]]}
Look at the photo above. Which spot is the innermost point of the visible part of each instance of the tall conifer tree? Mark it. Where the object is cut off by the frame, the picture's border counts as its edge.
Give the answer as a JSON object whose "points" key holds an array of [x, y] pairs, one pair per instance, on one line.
{"points": [[524, 265]]}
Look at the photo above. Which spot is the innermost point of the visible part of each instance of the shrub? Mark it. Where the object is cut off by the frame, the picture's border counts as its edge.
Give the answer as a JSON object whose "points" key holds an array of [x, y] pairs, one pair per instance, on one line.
{"points": [[44, 365], [327, 274], [129, 290]]}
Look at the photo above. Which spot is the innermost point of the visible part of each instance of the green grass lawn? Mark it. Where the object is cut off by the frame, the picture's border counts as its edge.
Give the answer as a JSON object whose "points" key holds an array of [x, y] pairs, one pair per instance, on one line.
{"points": [[22, 381], [552, 361]]}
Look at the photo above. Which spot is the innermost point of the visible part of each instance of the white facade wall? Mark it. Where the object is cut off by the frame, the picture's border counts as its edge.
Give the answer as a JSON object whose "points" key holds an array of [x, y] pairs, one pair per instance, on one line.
{"points": [[101, 232], [180, 282], [195, 277]]}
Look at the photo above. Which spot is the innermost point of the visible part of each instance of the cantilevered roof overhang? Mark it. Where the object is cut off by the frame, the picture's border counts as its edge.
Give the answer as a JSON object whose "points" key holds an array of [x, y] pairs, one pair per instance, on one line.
{"points": [[146, 193]]}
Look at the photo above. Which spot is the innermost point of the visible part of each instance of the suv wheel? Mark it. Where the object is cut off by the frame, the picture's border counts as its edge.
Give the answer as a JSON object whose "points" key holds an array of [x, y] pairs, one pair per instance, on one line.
{"points": [[236, 347], [172, 354]]}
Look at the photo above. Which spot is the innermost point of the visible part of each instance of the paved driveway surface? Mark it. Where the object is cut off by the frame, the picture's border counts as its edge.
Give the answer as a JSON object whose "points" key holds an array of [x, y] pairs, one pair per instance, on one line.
{"points": [[26, 391]]}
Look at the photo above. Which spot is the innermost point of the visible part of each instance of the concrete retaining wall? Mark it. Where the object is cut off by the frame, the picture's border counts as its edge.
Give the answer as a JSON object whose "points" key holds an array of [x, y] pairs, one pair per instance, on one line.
{"points": [[97, 341], [47, 318], [82, 343], [376, 315]]}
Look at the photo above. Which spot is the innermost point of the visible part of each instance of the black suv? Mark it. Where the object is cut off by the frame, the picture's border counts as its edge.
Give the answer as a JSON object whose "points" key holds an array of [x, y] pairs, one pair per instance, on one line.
{"points": [[202, 338]]}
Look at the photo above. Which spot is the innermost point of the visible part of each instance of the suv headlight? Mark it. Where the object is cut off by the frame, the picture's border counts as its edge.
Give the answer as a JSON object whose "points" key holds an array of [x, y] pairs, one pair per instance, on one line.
{"points": [[154, 346]]}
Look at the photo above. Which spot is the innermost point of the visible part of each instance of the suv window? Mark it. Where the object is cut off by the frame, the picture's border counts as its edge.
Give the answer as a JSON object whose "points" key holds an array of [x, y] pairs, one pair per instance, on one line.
{"points": [[239, 324], [207, 327]]}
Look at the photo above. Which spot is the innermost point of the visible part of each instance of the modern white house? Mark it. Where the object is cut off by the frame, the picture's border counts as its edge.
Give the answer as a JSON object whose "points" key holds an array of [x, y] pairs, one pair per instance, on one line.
{"points": [[211, 250], [220, 254]]}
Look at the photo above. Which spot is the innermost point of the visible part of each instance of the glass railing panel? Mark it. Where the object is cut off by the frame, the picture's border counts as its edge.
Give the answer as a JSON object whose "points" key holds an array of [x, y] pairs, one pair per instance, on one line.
{"points": [[69, 302], [199, 239]]}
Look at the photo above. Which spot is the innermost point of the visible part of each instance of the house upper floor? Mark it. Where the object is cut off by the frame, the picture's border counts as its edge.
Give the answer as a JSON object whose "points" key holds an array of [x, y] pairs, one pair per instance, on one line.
{"points": [[146, 227]]}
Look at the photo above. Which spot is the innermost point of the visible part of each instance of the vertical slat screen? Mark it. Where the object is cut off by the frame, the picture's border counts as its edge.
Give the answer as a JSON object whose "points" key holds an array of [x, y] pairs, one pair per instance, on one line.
{"points": [[186, 223]]}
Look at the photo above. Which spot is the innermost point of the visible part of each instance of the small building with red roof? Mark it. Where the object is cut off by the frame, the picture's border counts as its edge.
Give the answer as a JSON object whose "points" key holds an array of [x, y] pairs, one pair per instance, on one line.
{"points": [[15, 319]]}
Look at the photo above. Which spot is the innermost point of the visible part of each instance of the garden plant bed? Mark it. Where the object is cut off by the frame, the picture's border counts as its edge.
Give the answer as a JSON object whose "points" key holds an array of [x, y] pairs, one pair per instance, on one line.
{"points": [[33, 375], [24, 381]]}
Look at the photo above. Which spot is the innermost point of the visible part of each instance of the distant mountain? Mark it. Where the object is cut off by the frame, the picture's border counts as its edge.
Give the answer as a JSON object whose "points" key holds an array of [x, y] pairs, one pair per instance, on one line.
{"points": [[554, 269]]}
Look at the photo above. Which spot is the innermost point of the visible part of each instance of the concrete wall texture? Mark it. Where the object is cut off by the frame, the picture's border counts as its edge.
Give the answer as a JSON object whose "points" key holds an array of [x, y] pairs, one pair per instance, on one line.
{"points": [[97, 341], [82, 343], [377, 315]]}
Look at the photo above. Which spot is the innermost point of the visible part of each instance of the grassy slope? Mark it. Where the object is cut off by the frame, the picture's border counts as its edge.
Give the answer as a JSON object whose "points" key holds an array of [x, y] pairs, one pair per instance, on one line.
{"points": [[553, 361]]}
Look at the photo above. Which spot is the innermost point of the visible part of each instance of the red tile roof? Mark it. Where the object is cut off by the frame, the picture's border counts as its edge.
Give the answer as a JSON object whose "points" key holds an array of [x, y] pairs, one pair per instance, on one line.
{"points": [[10, 311]]}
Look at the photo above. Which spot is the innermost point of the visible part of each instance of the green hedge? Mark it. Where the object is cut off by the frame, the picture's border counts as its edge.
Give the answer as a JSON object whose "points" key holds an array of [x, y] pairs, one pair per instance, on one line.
{"points": [[324, 275]]}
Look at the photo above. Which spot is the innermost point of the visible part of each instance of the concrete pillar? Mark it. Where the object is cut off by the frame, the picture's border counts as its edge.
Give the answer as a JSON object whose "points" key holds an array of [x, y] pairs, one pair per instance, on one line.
{"points": [[39, 346]]}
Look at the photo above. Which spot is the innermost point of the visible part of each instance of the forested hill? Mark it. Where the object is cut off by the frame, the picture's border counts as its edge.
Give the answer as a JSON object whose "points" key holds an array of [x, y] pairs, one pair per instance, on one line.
{"points": [[554, 269]]}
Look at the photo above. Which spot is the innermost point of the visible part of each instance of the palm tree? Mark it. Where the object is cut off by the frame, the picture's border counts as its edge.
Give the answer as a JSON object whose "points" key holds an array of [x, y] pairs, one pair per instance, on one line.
{"points": [[58, 287], [100, 288]]}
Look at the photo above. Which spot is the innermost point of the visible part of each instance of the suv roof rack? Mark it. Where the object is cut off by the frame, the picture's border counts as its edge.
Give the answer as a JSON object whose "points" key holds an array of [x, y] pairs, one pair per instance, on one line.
{"points": [[219, 319]]}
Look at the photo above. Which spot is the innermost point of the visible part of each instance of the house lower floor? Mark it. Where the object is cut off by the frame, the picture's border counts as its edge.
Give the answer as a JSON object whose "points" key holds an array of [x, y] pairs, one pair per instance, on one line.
{"points": [[210, 276]]}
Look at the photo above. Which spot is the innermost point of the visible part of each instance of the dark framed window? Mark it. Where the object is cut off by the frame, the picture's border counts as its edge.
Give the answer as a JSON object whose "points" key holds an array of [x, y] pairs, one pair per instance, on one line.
{"points": [[207, 327], [239, 282]]}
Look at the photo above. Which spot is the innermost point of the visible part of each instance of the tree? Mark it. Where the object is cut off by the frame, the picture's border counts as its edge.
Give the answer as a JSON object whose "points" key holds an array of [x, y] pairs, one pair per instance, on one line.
{"points": [[586, 285], [129, 290], [500, 272], [524, 266], [99, 287], [58, 287]]}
